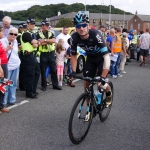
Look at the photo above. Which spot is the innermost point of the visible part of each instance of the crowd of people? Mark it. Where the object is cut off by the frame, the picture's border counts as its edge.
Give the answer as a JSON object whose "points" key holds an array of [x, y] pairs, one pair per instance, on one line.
{"points": [[125, 46], [20, 47]]}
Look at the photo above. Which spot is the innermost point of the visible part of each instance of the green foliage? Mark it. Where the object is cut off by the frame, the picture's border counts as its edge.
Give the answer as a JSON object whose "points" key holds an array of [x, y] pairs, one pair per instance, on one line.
{"points": [[42, 12], [65, 22]]}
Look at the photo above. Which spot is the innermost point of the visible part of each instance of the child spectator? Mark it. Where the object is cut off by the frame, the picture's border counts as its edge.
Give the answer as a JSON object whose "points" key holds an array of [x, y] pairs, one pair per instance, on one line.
{"points": [[60, 58], [68, 56]]}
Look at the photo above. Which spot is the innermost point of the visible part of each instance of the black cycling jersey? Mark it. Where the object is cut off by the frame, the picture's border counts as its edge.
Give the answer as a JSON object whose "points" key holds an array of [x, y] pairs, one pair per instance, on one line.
{"points": [[93, 45]]}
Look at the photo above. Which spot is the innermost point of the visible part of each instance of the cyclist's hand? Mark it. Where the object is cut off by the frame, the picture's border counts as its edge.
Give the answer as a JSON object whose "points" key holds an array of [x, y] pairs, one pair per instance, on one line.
{"points": [[102, 81], [71, 75]]}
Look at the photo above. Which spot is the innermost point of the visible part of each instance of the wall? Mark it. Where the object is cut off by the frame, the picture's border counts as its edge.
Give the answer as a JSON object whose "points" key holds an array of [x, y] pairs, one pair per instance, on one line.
{"points": [[136, 23]]}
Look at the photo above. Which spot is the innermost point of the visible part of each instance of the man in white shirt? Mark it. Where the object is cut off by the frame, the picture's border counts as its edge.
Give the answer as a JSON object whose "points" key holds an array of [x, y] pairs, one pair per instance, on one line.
{"points": [[144, 43], [65, 36]]}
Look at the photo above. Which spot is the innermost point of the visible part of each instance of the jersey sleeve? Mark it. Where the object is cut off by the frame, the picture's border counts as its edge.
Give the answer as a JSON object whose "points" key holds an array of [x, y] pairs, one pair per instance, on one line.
{"points": [[101, 44], [73, 44]]}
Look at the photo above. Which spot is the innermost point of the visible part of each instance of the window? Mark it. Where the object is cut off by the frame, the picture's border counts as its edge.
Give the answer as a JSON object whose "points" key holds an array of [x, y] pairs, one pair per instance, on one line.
{"points": [[113, 22], [94, 21], [147, 25], [139, 26]]}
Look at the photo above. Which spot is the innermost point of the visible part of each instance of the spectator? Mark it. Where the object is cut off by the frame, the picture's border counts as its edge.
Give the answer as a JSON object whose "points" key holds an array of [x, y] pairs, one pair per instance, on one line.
{"points": [[124, 54], [6, 25], [144, 43], [11, 45], [47, 49], [65, 36], [138, 47], [134, 45], [60, 58], [130, 37], [68, 56], [116, 49], [32, 69], [102, 29], [21, 29], [3, 70]]}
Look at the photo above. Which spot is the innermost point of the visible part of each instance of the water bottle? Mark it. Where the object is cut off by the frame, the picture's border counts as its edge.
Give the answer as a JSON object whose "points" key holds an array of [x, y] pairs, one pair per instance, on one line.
{"points": [[98, 96]]}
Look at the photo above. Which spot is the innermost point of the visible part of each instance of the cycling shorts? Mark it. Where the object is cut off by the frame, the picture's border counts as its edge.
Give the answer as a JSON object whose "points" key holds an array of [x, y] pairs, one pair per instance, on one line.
{"points": [[93, 66]]}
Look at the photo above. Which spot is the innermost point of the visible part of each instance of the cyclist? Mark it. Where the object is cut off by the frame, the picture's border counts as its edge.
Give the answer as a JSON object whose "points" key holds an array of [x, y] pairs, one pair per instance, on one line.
{"points": [[98, 60]]}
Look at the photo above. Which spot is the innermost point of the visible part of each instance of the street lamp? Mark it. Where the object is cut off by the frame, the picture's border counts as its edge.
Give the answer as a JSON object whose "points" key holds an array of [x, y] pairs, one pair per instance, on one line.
{"points": [[102, 2], [109, 14], [85, 5]]}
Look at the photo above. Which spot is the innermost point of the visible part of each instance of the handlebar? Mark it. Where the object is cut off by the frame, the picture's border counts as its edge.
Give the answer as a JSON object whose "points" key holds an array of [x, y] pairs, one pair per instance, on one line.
{"points": [[89, 79]]}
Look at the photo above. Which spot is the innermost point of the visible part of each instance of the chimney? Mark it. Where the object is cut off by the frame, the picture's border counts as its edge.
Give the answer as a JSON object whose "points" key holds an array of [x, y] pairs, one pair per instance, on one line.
{"points": [[136, 12], [59, 13]]}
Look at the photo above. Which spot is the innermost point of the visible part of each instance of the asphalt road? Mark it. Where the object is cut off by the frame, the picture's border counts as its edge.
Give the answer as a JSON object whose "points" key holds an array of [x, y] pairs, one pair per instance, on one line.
{"points": [[42, 124]]}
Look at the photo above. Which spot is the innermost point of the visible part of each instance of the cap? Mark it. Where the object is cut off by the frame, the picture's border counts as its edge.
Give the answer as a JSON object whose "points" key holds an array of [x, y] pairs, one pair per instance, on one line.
{"points": [[22, 25], [45, 22], [31, 20], [131, 30], [102, 26]]}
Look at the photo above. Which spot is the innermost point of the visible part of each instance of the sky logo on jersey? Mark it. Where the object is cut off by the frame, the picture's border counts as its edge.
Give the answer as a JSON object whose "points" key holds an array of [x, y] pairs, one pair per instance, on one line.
{"points": [[99, 38]]}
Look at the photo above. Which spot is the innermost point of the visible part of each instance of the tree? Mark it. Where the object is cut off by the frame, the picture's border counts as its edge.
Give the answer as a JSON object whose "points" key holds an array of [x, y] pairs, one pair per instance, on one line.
{"points": [[65, 22]]}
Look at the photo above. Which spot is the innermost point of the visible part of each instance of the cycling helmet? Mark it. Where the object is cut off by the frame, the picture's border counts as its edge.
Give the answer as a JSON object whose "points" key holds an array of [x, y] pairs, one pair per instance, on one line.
{"points": [[79, 18]]}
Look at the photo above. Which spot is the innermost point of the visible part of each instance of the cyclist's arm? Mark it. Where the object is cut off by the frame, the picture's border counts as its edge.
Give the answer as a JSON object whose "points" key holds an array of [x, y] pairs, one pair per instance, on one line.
{"points": [[73, 59], [105, 53], [106, 65]]}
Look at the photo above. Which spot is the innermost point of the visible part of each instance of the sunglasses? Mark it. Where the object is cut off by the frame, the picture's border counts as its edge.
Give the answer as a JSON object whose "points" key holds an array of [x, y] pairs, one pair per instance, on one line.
{"points": [[13, 34], [78, 26]]}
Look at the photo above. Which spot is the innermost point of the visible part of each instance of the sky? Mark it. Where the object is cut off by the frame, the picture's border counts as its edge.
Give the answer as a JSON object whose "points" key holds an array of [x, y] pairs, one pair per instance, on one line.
{"points": [[142, 6]]}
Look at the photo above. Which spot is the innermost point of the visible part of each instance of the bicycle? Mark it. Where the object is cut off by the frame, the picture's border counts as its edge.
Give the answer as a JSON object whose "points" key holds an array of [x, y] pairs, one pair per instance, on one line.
{"points": [[81, 109]]}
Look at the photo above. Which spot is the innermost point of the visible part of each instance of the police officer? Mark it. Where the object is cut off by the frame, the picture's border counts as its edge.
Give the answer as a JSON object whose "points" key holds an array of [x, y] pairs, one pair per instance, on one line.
{"points": [[21, 28], [32, 69], [47, 58]]}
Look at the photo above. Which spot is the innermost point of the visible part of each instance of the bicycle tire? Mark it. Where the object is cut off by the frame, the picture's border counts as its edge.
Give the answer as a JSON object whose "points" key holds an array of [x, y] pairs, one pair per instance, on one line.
{"points": [[103, 115], [73, 128]]}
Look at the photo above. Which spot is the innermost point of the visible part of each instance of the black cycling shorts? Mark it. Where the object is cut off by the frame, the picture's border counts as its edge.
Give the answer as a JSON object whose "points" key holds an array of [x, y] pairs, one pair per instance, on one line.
{"points": [[93, 66]]}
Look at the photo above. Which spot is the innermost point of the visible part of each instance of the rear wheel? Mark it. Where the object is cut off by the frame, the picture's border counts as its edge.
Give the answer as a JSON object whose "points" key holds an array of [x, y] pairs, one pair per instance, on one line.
{"points": [[103, 115], [78, 127]]}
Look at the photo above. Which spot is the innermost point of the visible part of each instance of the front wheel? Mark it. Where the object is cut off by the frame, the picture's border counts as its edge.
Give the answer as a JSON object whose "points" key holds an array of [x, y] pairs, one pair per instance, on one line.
{"points": [[104, 113], [78, 125]]}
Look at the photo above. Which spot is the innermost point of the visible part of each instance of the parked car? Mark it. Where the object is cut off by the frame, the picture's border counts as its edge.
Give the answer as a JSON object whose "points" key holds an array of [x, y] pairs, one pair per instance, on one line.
{"points": [[81, 57]]}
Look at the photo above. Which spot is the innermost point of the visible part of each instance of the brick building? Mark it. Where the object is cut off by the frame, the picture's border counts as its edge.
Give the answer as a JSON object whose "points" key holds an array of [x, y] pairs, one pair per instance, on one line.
{"points": [[139, 22], [116, 19]]}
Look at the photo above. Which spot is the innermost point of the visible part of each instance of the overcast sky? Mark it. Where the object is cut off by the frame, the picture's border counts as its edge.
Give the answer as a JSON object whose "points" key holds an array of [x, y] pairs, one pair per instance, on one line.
{"points": [[142, 6]]}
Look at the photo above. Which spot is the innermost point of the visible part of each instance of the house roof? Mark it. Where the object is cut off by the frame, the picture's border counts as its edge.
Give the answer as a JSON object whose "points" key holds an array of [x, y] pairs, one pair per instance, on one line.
{"points": [[144, 17], [94, 16]]}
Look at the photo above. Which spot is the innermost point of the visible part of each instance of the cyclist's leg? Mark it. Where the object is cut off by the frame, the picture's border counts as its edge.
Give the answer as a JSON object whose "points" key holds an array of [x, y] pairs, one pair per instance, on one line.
{"points": [[108, 88], [89, 71]]}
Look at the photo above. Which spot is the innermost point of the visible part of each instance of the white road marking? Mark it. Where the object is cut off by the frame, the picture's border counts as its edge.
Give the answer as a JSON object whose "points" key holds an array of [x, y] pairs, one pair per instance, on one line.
{"points": [[18, 104], [26, 101]]}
